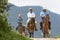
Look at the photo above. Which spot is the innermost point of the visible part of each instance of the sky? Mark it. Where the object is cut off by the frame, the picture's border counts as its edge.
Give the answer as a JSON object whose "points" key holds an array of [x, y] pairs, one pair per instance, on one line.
{"points": [[52, 5]]}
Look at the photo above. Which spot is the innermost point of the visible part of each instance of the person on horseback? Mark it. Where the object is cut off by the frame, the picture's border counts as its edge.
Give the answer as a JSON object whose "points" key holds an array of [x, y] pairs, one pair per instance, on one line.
{"points": [[31, 23], [20, 19], [45, 17], [44, 14], [30, 15], [45, 27]]}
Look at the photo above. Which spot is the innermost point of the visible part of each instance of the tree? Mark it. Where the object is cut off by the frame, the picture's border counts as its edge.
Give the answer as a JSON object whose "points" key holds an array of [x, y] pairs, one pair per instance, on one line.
{"points": [[5, 28], [2, 5], [3, 20]]}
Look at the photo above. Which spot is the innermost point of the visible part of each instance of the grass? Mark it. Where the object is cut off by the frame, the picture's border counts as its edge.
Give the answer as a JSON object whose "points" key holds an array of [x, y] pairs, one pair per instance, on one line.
{"points": [[57, 36], [12, 36]]}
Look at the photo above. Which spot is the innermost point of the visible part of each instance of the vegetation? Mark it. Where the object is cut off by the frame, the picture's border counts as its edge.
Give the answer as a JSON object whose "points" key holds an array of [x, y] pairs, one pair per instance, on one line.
{"points": [[57, 36], [6, 32], [12, 36]]}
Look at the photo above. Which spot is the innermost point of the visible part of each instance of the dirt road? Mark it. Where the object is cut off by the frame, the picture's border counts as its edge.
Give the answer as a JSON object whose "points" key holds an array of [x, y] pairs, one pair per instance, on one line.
{"points": [[45, 38]]}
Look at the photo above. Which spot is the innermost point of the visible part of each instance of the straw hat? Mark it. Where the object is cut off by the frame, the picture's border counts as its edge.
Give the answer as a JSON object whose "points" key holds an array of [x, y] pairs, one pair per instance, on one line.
{"points": [[30, 8]]}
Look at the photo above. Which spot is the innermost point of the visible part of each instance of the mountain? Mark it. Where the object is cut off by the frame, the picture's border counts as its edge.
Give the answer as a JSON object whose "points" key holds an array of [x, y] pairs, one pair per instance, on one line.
{"points": [[54, 18]]}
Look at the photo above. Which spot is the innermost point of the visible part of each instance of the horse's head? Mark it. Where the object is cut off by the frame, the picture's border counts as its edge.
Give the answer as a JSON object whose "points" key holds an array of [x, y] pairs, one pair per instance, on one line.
{"points": [[32, 20], [45, 25], [45, 21], [20, 28], [31, 24]]}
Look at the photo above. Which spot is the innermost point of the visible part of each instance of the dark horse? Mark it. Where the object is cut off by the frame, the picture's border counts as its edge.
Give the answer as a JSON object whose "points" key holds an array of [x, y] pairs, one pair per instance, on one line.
{"points": [[31, 26], [45, 27], [21, 29]]}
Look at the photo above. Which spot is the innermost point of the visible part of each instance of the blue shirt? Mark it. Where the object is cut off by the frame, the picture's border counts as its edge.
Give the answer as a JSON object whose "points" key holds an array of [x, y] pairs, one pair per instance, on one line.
{"points": [[42, 14], [20, 19]]}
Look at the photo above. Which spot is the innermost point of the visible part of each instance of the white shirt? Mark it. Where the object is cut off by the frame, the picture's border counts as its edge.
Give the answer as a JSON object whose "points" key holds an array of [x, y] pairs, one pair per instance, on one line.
{"points": [[31, 15]]}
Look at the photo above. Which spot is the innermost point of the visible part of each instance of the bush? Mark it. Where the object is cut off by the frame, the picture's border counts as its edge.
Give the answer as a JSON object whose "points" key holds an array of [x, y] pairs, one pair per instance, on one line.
{"points": [[6, 33], [12, 36], [5, 28]]}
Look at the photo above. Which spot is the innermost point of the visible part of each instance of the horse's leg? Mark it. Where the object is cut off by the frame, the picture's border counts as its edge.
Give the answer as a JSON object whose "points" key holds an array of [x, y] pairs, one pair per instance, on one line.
{"points": [[44, 35], [48, 35], [32, 34], [49, 32], [29, 34]]}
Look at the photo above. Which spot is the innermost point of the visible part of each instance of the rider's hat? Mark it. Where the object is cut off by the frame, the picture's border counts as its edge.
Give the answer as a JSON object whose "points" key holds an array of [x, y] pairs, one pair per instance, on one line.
{"points": [[19, 15], [30, 8], [44, 9]]}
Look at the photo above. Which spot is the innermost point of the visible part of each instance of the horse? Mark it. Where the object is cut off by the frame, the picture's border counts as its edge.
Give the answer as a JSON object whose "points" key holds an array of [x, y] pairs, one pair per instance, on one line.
{"points": [[21, 29], [45, 27], [31, 26]]}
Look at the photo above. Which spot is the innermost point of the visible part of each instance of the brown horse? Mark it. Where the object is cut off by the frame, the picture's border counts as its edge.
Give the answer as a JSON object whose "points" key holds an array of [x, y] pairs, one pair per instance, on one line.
{"points": [[45, 27], [31, 26], [21, 29]]}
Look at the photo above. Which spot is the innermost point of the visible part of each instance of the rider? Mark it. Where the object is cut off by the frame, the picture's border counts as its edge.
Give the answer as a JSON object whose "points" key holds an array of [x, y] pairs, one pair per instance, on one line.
{"points": [[20, 19], [44, 14], [30, 15]]}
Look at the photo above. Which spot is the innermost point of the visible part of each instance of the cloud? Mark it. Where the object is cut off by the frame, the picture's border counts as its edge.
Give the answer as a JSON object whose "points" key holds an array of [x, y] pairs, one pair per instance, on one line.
{"points": [[52, 5]]}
